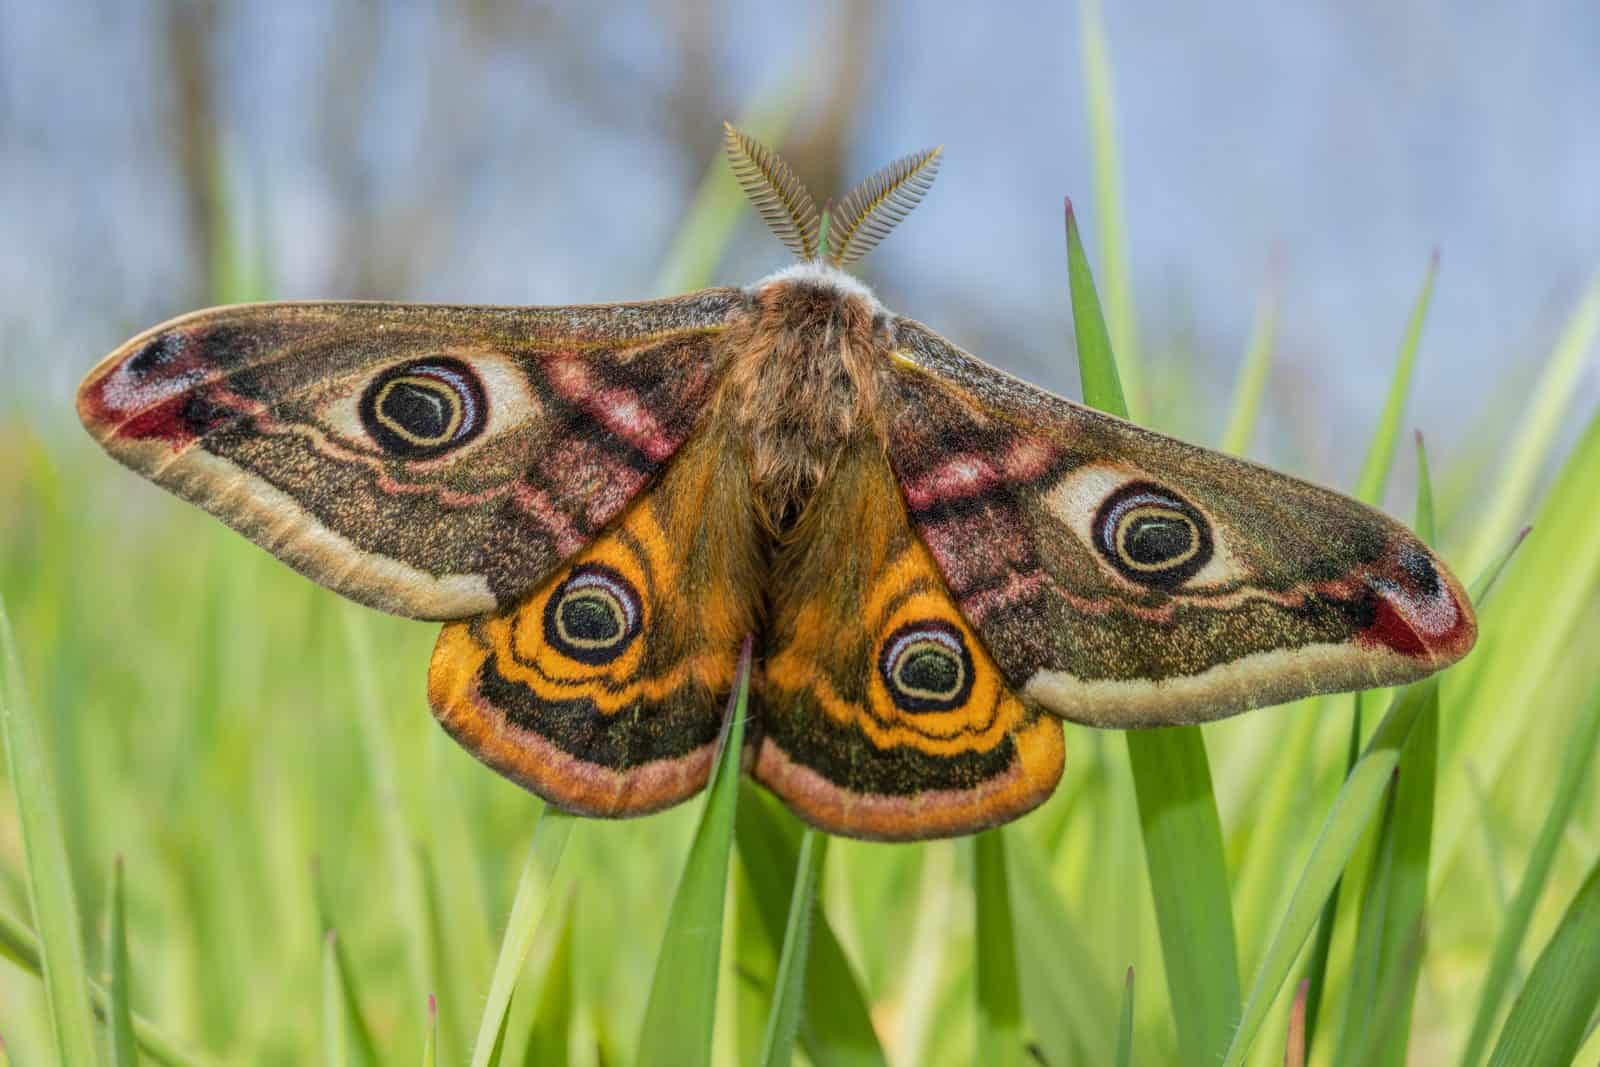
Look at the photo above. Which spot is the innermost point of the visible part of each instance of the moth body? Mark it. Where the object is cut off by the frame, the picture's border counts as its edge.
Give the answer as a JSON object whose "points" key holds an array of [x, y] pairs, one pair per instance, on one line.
{"points": [[802, 381]]}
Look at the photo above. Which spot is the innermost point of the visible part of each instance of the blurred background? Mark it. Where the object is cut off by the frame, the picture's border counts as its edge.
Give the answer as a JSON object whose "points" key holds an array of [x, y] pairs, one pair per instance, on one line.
{"points": [[497, 152], [219, 721]]}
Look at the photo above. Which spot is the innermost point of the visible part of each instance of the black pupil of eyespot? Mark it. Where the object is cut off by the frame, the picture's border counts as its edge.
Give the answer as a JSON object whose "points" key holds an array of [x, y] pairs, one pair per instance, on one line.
{"points": [[931, 671], [423, 411], [1153, 540], [590, 618]]}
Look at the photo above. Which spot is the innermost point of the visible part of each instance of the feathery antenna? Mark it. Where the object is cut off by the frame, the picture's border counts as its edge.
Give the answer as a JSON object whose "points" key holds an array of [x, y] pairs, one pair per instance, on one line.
{"points": [[777, 194], [844, 233], [877, 205]]}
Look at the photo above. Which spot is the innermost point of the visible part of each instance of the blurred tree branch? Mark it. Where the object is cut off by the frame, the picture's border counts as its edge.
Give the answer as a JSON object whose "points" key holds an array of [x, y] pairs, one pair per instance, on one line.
{"points": [[190, 31]]}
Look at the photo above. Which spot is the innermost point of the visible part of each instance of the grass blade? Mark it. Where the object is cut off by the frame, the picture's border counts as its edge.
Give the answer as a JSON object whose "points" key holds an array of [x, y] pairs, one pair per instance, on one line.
{"points": [[1108, 204], [1189, 880], [335, 1039], [550, 835], [836, 1026], [681, 1009], [548, 1040], [788, 988], [1389, 934], [1375, 469], [1347, 820], [1580, 752], [999, 1037], [1296, 1046], [50, 892], [1097, 363], [430, 1039], [20, 945], [406, 877], [1125, 1025], [1369, 489], [354, 1028], [1550, 1016], [1245, 410], [1363, 790], [1542, 597], [1172, 779], [1322, 948], [1066, 1004], [124, 1051], [1537, 426]]}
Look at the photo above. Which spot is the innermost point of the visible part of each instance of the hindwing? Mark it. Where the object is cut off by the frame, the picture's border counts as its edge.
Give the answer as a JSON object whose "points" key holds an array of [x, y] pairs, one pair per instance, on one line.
{"points": [[884, 715], [602, 690]]}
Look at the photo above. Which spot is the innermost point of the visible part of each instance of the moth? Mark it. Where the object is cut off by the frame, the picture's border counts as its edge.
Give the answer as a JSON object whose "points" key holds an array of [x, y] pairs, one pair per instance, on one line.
{"points": [[938, 562]]}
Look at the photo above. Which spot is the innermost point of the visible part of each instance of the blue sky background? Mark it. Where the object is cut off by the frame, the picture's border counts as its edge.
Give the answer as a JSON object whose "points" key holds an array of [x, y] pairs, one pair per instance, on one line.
{"points": [[499, 153]]}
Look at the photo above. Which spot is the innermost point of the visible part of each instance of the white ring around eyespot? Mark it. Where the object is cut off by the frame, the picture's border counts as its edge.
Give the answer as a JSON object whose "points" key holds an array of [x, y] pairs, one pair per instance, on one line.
{"points": [[1075, 500], [507, 396]]}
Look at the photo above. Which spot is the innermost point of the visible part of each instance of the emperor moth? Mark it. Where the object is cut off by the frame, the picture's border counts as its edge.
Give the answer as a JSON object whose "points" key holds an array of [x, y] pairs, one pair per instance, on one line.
{"points": [[939, 562]]}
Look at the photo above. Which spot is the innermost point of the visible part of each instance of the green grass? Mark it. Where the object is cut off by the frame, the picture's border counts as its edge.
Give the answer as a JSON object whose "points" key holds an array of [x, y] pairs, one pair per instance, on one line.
{"points": [[260, 755]]}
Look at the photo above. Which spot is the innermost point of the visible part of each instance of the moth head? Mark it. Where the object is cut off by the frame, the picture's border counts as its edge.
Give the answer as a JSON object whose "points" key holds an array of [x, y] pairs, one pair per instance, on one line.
{"points": [[839, 235]]}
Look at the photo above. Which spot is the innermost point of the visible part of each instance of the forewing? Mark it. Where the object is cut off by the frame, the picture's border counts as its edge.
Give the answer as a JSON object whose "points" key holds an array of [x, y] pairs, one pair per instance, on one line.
{"points": [[431, 461], [884, 715], [602, 691], [1124, 578]]}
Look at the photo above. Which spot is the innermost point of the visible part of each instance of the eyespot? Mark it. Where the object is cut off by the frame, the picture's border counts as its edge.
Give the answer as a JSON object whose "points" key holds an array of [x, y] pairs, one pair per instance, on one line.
{"points": [[424, 408], [1152, 536], [593, 616], [926, 666]]}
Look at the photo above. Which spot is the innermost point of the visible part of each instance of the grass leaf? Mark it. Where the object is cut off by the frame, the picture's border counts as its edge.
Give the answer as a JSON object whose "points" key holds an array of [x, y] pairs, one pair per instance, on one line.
{"points": [[20, 945], [335, 1011], [1580, 753], [123, 1048], [354, 1028], [1363, 790], [1245, 410], [681, 1008], [50, 892], [1064, 1000], [430, 1039], [1374, 475], [1125, 1025], [1548, 1021], [1124, 336], [1097, 365], [1538, 424], [1295, 1043], [406, 879], [1172, 780], [999, 1038], [548, 1041], [549, 842], [836, 1026], [1543, 595], [788, 988], [1383, 979]]}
